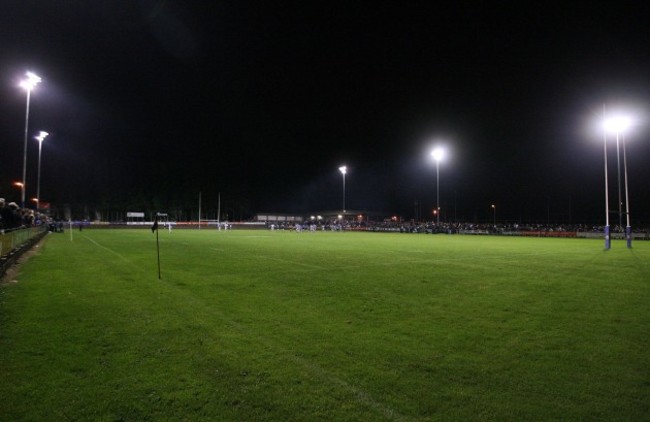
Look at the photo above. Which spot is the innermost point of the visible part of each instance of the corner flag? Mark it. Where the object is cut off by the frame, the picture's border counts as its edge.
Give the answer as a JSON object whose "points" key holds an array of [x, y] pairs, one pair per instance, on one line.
{"points": [[155, 224]]}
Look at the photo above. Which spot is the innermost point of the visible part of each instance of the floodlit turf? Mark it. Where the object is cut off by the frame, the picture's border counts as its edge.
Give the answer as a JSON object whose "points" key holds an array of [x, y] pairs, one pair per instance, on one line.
{"points": [[257, 325]]}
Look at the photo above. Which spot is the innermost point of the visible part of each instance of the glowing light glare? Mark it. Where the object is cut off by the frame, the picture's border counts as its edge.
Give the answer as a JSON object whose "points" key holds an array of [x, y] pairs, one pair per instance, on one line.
{"points": [[340, 216], [41, 136], [33, 76], [617, 124], [31, 81], [438, 154], [19, 184], [493, 206], [343, 169]]}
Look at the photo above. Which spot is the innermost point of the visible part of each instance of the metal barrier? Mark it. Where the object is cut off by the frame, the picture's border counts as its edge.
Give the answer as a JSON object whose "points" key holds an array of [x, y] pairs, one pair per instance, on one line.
{"points": [[14, 243]]}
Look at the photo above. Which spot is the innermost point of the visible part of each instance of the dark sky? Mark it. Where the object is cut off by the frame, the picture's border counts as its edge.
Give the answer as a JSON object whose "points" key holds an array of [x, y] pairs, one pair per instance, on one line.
{"points": [[151, 102]]}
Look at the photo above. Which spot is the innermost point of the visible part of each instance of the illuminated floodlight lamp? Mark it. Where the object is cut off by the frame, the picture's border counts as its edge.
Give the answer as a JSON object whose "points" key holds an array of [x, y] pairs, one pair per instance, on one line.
{"points": [[617, 124], [41, 136], [438, 154], [31, 81]]}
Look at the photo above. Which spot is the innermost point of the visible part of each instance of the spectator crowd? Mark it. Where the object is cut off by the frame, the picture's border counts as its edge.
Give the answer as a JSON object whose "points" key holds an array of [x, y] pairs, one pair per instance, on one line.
{"points": [[13, 217], [447, 228]]}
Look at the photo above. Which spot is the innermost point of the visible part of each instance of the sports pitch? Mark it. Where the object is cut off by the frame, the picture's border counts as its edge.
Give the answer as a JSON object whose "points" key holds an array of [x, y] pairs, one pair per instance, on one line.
{"points": [[260, 325]]}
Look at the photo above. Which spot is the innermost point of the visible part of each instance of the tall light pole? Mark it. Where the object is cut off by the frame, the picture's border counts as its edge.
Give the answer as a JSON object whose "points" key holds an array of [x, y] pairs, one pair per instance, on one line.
{"points": [[628, 227], [618, 179], [40, 138], [618, 125], [28, 84], [343, 170], [608, 240], [438, 154], [494, 211]]}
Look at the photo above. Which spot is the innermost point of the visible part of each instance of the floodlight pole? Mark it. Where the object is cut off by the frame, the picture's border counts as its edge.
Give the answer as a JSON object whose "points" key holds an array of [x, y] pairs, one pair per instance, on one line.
{"points": [[494, 210], [618, 164], [343, 192], [29, 84], [628, 227], [608, 240], [619, 125], [22, 191], [437, 155], [343, 170], [41, 137], [438, 192]]}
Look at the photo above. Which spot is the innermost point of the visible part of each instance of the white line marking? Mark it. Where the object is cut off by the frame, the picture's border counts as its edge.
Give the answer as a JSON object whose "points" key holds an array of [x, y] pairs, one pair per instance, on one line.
{"points": [[105, 248], [320, 372]]}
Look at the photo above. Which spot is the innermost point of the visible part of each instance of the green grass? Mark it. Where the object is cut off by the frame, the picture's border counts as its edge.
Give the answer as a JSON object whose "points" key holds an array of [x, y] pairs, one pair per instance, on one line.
{"points": [[256, 325]]}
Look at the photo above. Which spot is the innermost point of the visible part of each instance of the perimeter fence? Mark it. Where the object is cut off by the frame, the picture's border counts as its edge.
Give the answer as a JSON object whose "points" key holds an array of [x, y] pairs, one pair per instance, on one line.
{"points": [[16, 242]]}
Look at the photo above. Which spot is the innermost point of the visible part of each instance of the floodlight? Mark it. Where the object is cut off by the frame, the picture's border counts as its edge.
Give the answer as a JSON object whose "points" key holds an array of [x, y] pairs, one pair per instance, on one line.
{"points": [[41, 136], [31, 81], [438, 154], [617, 124]]}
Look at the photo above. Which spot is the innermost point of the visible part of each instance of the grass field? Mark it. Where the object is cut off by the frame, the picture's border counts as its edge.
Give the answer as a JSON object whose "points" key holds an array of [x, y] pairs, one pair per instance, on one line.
{"points": [[256, 325]]}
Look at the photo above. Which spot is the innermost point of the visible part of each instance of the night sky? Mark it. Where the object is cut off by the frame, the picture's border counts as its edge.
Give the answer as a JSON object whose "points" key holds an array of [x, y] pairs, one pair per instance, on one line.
{"points": [[150, 102]]}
